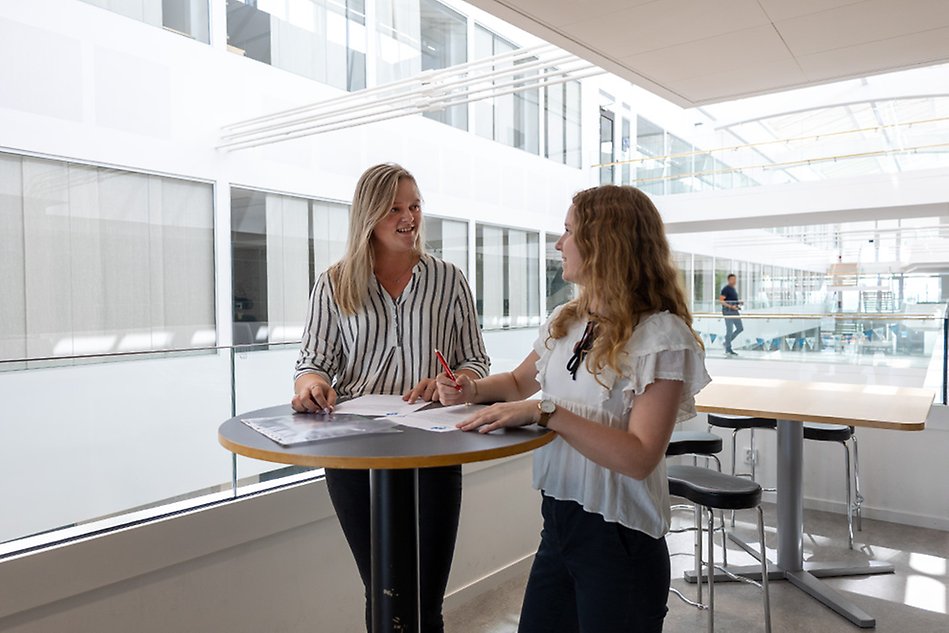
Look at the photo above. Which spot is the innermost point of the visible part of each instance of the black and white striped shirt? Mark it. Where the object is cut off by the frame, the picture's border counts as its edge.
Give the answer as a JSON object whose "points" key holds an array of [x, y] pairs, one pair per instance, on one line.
{"points": [[389, 345]]}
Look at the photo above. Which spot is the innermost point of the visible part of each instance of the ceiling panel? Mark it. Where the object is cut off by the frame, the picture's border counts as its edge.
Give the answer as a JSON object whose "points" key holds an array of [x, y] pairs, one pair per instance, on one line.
{"points": [[666, 23], [855, 24], [714, 55], [561, 13], [929, 47], [784, 9], [697, 52]]}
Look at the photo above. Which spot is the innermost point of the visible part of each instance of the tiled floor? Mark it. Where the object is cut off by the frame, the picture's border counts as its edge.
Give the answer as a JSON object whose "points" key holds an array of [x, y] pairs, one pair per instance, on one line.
{"points": [[915, 599]]}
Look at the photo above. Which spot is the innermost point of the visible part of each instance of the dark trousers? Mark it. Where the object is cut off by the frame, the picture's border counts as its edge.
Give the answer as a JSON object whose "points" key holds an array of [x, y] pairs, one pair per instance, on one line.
{"points": [[439, 501], [733, 328], [594, 576]]}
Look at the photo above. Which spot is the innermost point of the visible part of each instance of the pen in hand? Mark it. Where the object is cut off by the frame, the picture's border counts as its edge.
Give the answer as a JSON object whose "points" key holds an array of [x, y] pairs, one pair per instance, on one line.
{"points": [[448, 371]]}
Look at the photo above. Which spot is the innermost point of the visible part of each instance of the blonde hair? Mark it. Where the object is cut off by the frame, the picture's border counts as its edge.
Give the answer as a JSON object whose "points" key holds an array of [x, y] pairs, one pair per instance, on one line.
{"points": [[627, 266], [375, 193]]}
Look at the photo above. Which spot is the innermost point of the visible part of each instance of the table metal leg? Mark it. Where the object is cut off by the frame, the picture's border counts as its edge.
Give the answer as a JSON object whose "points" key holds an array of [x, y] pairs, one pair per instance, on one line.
{"points": [[395, 574], [790, 495], [790, 517]]}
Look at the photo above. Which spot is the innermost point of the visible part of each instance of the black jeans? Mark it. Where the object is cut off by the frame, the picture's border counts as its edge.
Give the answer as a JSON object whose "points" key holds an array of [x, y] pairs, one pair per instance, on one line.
{"points": [[594, 576], [439, 501]]}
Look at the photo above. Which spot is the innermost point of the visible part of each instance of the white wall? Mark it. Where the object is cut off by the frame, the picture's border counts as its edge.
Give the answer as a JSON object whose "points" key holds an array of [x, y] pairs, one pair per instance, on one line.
{"points": [[277, 562]]}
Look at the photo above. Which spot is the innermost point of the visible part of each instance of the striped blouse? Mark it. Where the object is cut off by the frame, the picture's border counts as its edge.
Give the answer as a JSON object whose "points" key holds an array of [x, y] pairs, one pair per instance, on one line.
{"points": [[389, 345]]}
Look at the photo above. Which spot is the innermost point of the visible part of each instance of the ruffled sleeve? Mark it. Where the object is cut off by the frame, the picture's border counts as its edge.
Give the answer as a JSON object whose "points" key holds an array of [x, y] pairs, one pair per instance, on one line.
{"points": [[662, 348]]}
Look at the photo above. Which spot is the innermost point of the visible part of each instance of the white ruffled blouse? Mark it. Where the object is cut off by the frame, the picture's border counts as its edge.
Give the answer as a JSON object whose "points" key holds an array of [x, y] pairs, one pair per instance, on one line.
{"points": [[661, 347]]}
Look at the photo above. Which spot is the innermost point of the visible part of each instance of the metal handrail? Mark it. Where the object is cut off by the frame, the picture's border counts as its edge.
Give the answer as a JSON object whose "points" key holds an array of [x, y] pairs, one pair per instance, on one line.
{"points": [[845, 316], [147, 352]]}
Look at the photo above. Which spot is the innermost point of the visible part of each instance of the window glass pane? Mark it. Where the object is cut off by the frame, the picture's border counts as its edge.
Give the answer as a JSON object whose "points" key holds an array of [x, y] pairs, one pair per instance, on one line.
{"points": [[279, 245], [100, 260], [508, 277], [323, 40], [484, 108], [186, 17], [606, 146], [572, 126], [398, 33], [448, 240], [554, 122], [444, 43], [558, 291], [650, 141], [527, 114]]}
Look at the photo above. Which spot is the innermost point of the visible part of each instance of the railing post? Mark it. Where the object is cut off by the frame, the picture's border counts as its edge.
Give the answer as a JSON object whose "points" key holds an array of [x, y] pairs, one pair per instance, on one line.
{"points": [[945, 357]]}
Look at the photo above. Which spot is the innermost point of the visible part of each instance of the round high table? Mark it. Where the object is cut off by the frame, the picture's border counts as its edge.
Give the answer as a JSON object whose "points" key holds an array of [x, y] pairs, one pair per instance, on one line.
{"points": [[393, 460]]}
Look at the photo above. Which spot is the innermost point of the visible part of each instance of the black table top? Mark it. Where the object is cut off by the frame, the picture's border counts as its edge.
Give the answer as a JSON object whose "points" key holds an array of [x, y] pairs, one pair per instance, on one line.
{"points": [[412, 448]]}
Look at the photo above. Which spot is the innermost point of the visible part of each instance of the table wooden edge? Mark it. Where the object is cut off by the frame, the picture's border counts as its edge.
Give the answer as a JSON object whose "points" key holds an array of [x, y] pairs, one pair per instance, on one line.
{"points": [[823, 419], [384, 461]]}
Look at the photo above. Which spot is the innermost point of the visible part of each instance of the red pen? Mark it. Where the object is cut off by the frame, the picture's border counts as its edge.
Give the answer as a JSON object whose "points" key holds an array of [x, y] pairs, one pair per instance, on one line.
{"points": [[448, 371]]}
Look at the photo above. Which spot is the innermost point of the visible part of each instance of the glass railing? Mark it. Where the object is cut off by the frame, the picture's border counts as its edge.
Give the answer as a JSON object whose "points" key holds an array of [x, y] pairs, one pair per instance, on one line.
{"points": [[93, 442], [910, 345], [90, 443]]}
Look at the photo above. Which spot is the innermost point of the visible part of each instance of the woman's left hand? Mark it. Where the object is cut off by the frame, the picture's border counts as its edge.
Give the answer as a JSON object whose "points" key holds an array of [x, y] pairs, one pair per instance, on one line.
{"points": [[519, 413], [425, 389]]}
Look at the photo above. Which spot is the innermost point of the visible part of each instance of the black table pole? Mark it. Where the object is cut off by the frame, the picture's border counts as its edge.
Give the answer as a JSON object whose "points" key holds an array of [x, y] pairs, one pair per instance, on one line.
{"points": [[395, 588]]}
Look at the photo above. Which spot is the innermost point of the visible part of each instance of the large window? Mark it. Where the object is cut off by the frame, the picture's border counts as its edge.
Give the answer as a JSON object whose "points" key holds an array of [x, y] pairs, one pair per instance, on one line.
{"points": [[444, 44], [187, 17], [279, 245], [324, 40], [507, 289], [96, 260]]}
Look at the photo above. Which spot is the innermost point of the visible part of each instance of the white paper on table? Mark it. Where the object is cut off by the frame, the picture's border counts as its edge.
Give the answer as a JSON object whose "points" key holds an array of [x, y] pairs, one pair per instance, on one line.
{"points": [[378, 406], [438, 420]]}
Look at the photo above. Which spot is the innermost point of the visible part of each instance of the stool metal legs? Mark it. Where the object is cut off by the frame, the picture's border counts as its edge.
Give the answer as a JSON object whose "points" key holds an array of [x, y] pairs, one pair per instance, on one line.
{"points": [[858, 498], [849, 496], [711, 571]]}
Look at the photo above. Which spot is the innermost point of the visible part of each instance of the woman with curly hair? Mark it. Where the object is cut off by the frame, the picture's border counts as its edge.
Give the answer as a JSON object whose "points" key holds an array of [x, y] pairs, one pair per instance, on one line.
{"points": [[618, 366]]}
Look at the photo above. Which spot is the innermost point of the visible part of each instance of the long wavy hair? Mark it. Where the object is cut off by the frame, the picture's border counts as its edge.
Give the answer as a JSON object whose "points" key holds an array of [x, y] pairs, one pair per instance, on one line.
{"points": [[627, 269], [375, 193]]}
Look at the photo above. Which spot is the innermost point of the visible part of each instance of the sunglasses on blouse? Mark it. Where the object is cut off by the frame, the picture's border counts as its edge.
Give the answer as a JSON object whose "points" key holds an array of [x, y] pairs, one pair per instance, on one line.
{"points": [[581, 348]]}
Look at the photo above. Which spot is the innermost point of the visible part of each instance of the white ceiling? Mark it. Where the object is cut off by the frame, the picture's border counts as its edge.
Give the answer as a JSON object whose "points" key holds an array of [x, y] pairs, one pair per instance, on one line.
{"points": [[696, 52]]}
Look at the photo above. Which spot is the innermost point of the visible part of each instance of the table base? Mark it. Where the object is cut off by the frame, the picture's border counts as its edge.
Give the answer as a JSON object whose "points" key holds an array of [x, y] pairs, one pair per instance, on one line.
{"points": [[807, 580]]}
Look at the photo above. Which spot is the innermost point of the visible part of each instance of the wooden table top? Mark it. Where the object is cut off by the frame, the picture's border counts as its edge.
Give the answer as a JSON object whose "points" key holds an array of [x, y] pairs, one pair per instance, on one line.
{"points": [[877, 406], [412, 448]]}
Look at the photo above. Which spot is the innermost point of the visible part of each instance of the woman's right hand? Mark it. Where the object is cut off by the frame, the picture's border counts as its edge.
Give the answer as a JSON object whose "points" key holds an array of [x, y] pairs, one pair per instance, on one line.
{"points": [[313, 395], [449, 393]]}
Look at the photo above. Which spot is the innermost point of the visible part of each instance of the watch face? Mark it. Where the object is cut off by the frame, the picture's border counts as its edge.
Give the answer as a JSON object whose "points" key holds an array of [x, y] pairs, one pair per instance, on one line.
{"points": [[547, 406]]}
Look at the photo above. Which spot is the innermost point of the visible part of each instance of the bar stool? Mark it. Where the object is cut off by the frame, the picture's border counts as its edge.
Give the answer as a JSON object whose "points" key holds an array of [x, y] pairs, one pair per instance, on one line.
{"points": [[697, 444], [738, 424], [845, 435], [717, 491]]}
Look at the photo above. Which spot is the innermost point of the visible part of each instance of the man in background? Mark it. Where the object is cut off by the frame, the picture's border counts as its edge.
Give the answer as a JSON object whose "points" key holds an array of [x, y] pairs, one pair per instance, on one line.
{"points": [[730, 306]]}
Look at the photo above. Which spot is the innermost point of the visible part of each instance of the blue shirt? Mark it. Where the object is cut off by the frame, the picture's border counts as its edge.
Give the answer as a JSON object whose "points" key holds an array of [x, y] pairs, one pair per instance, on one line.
{"points": [[731, 298]]}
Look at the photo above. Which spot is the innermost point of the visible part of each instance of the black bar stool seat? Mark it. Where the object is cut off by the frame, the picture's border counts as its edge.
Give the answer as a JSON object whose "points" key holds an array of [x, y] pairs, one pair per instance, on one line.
{"points": [[693, 443], [713, 489], [741, 423], [827, 432]]}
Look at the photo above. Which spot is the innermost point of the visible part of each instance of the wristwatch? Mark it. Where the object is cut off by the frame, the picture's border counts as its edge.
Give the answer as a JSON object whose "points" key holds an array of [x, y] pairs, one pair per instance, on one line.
{"points": [[547, 408]]}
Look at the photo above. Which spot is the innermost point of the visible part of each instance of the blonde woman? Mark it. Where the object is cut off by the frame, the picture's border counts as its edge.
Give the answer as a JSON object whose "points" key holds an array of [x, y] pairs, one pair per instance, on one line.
{"points": [[618, 366], [374, 322]]}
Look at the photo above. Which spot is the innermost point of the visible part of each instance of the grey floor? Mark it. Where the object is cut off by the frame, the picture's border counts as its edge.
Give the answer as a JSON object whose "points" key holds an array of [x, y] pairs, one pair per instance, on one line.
{"points": [[915, 599]]}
